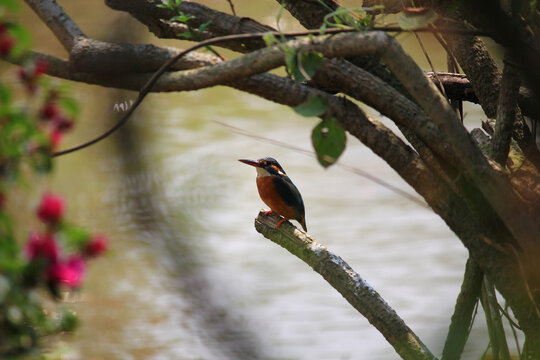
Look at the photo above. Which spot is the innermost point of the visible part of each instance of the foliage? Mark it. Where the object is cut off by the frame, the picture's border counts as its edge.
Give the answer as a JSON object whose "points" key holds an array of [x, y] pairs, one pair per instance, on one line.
{"points": [[54, 256], [181, 17]]}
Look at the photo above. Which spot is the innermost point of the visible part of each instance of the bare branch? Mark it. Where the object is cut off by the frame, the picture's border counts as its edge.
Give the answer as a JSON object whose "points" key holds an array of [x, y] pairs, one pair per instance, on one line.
{"points": [[336, 74], [462, 318], [52, 14], [474, 165], [93, 56], [507, 111], [157, 20], [348, 283]]}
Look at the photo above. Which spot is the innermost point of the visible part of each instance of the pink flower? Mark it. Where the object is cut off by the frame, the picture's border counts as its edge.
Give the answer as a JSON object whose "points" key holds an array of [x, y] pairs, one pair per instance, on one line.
{"points": [[62, 123], [69, 273], [6, 44], [51, 208], [97, 245], [40, 67], [55, 137], [49, 111], [41, 246]]}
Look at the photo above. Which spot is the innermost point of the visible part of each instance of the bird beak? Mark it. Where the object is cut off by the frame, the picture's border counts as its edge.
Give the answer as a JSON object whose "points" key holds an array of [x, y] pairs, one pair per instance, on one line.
{"points": [[250, 162]]}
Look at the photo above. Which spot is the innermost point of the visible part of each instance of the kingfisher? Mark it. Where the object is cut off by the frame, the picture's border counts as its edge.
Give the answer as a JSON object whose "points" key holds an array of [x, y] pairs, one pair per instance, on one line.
{"points": [[278, 191]]}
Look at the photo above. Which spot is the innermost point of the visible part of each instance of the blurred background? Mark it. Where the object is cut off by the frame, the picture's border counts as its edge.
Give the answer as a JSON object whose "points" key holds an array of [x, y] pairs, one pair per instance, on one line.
{"points": [[187, 276]]}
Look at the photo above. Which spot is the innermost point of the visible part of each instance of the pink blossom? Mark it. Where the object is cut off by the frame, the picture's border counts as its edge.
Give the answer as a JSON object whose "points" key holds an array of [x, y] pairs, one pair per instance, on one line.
{"points": [[62, 123], [97, 245], [6, 44], [51, 208], [41, 66], [55, 137], [49, 111], [41, 246], [69, 273]]}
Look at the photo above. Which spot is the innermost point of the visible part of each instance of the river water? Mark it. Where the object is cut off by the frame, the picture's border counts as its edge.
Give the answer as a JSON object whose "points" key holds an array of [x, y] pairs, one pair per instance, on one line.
{"points": [[188, 277]]}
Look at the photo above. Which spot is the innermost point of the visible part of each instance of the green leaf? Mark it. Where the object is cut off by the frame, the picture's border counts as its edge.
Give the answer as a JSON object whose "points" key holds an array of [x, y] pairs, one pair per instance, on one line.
{"points": [[186, 34], [68, 320], [76, 237], [269, 39], [10, 5], [42, 162], [5, 94], [183, 18], [70, 106], [411, 21], [22, 39], [315, 106], [307, 66], [328, 141], [290, 60], [203, 27], [279, 13], [322, 29]]}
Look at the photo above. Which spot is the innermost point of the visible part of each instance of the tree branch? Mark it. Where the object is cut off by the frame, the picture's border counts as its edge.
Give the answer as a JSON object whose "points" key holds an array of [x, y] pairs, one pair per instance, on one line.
{"points": [[497, 338], [507, 111], [462, 318], [474, 165], [336, 75], [157, 20], [484, 76], [52, 14], [348, 283], [98, 57]]}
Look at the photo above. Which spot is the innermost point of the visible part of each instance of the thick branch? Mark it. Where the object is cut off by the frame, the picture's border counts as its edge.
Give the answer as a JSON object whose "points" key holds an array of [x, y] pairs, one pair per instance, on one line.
{"points": [[485, 77], [462, 318], [311, 15], [481, 70], [507, 111], [52, 14], [499, 347], [474, 165], [456, 86], [337, 74], [157, 20], [93, 56], [348, 283]]}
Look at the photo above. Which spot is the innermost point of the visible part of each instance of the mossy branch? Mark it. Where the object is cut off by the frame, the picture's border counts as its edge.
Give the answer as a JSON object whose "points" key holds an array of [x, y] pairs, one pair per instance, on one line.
{"points": [[347, 282]]}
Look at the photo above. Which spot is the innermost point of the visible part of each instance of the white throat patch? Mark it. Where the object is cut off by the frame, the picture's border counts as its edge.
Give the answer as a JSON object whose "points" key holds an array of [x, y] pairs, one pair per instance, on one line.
{"points": [[261, 172]]}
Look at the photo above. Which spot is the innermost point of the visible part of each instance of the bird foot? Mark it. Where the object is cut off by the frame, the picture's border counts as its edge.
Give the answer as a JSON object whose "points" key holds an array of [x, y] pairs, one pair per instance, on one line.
{"points": [[280, 222]]}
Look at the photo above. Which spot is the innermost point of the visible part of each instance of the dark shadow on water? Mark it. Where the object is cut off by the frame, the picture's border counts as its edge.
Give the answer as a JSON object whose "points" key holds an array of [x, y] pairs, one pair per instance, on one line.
{"points": [[149, 211]]}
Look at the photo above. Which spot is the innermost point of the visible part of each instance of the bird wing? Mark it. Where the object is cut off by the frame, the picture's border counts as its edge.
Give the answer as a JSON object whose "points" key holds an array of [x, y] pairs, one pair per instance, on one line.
{"points": [[290, 194]]}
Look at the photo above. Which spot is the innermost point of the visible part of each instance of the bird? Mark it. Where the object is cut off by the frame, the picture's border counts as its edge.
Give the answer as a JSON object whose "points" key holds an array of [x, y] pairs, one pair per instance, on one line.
{"points": [[278, 191]]}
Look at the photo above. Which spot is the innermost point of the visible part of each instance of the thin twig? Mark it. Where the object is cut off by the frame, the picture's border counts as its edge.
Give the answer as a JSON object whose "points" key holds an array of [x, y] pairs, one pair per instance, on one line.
{"points": [[350, 168], [513, 326], [232, 7], [431, 65], [238, 37]]}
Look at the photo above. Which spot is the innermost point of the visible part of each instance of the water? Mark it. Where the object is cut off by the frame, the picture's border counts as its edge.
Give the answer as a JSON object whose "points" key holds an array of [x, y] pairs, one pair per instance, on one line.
{"points": [[189, 277]]}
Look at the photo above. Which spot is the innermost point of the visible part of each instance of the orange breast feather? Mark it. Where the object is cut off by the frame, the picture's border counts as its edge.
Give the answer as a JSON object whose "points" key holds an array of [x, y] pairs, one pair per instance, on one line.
{"points": [[269, 195]]}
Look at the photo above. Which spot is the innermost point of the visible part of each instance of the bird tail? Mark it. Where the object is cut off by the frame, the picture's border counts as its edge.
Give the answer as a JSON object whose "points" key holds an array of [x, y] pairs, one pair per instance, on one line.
{"points": [[303, 223]]}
